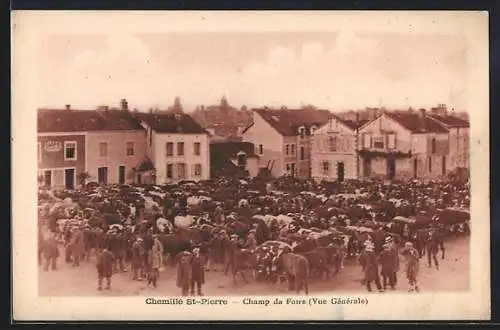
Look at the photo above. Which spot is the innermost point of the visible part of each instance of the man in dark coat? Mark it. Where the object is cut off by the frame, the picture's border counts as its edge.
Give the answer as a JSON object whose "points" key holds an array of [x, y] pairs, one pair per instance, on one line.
{"points": [[230, 249], [432, 249], [371, 268], [198, 271], [137, 258], [388, 262], [105, 261], [50, 252]]}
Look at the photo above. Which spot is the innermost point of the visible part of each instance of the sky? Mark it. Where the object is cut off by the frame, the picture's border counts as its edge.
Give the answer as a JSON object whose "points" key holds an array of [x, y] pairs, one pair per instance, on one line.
{"points": [[331, 70]]}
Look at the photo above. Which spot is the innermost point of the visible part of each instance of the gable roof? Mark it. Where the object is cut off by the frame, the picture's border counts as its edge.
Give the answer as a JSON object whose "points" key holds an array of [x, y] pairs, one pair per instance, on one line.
{"points": [[412, 122], [287, 121], [450, 121], [63, 120], [353, 124], [229, 149], [171, 123]]}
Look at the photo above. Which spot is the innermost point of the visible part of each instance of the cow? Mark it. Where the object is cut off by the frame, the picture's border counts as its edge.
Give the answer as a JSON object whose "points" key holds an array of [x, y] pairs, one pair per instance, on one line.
{"points": [[296, 268]]}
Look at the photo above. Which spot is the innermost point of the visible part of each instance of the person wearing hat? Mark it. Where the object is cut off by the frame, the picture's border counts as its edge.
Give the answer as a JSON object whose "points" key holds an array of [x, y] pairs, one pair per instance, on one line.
{"points": [[137, 259], [371, 267], [388, 264], [156, 262], [198, 271], [412, 265], [230, 249], [432, 248], [77, 246], [105, 261]]}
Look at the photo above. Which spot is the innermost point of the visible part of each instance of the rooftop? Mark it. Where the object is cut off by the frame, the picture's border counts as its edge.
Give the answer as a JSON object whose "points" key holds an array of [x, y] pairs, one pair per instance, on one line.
{"points": [[451, 121], [414, 123], [287, 121], [64, 120], [171, 123]]}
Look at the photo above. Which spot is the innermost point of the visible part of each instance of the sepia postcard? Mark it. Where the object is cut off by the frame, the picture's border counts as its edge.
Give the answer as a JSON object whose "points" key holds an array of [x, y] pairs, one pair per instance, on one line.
{"points": [[180, 166]]}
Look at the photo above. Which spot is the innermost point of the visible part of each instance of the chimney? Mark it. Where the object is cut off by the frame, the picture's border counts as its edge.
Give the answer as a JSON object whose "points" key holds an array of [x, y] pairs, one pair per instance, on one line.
{"points": [[124, 104], [421, 117], [357, 116], [68, 106]]}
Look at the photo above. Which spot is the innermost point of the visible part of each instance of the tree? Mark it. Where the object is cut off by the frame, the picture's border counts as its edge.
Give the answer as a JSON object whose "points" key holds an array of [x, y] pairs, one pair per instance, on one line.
{"points": [[83, 177]]}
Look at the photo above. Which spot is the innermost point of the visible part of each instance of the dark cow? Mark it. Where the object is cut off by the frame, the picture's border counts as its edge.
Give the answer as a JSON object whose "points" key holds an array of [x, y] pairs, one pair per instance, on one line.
{"points": [[296, 268]]}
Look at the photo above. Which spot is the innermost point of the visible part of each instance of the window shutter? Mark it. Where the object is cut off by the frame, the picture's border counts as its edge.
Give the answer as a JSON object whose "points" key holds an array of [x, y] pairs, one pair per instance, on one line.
{"points": [[193, 170]]}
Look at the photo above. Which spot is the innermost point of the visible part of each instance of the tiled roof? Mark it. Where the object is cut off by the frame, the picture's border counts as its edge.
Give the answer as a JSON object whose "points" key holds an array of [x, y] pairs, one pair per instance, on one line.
{"points": [[451, 121], [63, 120], [225, 150], [287, 121], [413, 122], [171, 123], [353, 124]]}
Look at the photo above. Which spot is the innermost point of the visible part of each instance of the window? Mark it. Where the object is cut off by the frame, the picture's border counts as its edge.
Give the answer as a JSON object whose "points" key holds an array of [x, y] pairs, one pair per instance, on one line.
{"points": [[130, 148], [433, 145], [121, 174], [170, 149], [326, 168], [302, 132], [39, 152], [302, 153], [378, 142], [261, 149], [430, 163], [287, 149], [332, 143], [242, 159], [293, 150], [197, 170], [69, 150], [287, 168], [103, 149], [293, 168], [180, 148], [102, 175], [170, 170], [197, 148], [313, 128], [367, 141], [181, 171], [391, 141]]}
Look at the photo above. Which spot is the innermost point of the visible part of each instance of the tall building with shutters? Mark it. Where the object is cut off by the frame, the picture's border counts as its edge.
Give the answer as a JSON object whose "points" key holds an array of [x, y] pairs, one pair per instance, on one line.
{"points": [[177, 146]]}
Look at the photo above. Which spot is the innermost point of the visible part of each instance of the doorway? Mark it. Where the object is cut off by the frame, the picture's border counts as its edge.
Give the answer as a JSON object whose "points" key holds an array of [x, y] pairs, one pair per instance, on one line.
{"points": [[415, 168], [340, 171], [391, 168], [139, 179], [367, 167], [102, 175], [47, 178], [69, 178], [121, 174]]}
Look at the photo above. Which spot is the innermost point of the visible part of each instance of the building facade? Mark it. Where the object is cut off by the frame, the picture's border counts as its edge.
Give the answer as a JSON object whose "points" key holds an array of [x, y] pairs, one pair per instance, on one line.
{"points": [[282, 139], [177, 146], [335, 150], [458, 129], [403, 145], [61, 157]]}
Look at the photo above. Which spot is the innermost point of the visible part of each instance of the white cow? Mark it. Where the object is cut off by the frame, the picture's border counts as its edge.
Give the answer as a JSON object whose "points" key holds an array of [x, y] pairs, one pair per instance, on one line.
{"points": [[184, 221]]}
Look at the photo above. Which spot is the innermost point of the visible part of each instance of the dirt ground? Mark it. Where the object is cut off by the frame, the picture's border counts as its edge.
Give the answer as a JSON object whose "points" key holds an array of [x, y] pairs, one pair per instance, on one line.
{"points": [[453, 275]]}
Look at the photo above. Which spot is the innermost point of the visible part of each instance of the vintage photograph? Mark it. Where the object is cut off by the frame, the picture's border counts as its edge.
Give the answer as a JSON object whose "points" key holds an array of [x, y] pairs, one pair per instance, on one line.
{"points": [[240, 163]]}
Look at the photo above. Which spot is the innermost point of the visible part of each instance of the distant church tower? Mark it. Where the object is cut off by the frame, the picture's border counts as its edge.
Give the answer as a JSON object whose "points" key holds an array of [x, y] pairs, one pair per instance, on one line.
{"points": [[177, 108]]}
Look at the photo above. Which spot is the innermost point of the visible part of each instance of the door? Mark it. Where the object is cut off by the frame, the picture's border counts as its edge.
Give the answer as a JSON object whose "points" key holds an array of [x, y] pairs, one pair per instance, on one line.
{"points": [[443, 164], [47, 179], [367, 167], [415, 168], [69, 178], [102, 175], [139, 179], [293, 169], [391, 168], [340, 171], [121, 174]]}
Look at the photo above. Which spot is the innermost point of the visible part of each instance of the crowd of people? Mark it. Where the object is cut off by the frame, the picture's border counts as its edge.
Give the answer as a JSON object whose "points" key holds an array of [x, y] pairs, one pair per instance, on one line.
{"points": [[282, 230]]}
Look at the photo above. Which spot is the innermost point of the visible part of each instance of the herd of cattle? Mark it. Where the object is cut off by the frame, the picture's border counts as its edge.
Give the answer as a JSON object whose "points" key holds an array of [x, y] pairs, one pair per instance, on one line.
{"points": [[257, 227]]}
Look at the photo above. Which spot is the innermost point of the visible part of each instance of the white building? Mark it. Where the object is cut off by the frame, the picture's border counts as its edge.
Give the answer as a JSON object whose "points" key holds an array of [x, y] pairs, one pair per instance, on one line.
{"points": [[177, 146]]}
